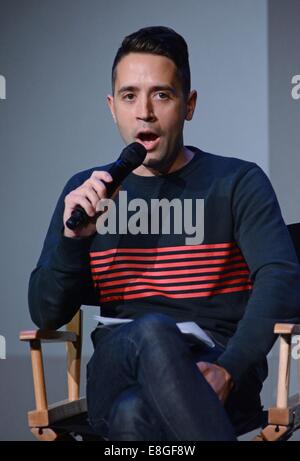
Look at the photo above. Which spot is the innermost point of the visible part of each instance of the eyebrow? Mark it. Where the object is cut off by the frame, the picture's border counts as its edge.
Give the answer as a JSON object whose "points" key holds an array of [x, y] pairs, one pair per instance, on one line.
{"points": [[153, 88]]}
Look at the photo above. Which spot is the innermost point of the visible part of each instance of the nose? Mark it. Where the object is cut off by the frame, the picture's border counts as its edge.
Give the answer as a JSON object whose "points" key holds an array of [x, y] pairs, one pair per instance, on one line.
{"points": [[145, 110]]}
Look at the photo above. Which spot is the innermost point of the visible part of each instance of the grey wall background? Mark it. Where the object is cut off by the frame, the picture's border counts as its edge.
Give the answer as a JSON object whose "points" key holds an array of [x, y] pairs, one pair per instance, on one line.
{"points": [[284, 111], [56, 57]]}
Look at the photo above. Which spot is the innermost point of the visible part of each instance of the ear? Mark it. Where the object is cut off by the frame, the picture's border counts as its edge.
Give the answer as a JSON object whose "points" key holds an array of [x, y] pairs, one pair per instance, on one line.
{"points": [[110, 102], [191, 105]]}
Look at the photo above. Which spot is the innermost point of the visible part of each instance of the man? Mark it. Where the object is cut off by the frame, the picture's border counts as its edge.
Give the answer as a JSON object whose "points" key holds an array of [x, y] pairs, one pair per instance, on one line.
{"points": [[146, 380]]}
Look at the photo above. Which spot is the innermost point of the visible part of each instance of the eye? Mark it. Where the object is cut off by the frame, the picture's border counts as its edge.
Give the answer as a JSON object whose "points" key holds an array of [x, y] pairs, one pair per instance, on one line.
{"points": [[128, 97], [163, 95]]}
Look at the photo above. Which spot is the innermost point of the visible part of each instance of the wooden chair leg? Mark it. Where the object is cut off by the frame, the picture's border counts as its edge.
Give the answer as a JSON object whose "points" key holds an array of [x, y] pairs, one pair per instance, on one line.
{"points": [[284, 371], [44, 434], [74, 357], [271, 433], [38, 375]]}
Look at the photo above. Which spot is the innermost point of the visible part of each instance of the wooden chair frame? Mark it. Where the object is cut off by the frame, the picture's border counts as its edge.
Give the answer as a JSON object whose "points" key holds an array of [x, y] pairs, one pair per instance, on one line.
{"points": [[284, 418], [44, 415]]}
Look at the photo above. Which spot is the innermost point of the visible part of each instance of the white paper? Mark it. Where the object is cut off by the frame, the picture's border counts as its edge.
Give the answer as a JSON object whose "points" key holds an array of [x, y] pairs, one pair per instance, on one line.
{"points": [[194, 329], [185, 327]]}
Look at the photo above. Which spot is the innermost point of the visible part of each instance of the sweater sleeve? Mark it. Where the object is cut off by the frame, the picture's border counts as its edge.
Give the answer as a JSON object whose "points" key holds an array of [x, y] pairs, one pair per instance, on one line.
{"points": [[61, 281], [268, 250]]}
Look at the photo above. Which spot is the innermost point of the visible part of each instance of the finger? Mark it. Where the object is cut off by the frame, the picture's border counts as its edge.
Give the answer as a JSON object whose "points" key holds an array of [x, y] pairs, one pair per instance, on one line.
{"points": [[103, 175], [90, 193], [78, 199], [98, 186]]}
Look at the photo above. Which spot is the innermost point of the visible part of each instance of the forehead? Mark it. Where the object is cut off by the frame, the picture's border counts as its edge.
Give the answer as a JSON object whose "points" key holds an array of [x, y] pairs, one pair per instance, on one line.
{"points": [[140, 69]]}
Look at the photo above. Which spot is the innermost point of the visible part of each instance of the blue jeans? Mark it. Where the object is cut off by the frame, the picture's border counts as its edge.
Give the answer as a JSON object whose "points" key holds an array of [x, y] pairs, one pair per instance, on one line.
{"points": [[143, 384]]}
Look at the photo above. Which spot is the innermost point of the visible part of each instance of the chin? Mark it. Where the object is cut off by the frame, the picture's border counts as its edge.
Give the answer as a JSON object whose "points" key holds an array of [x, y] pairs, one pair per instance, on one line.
{"points": [[152, 162], [155, 164]]}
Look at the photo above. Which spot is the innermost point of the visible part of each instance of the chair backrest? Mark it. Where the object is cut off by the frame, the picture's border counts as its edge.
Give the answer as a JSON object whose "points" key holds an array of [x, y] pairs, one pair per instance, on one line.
{"points": [[294, 230]]}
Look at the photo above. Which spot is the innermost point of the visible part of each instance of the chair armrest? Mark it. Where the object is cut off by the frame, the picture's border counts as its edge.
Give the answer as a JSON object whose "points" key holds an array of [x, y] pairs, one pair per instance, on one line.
{"points": [[287, 329], [51, 336]]}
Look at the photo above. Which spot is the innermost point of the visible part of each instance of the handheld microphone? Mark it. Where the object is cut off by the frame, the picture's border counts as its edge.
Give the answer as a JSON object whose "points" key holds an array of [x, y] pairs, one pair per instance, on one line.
{"points": [[131, 157]]}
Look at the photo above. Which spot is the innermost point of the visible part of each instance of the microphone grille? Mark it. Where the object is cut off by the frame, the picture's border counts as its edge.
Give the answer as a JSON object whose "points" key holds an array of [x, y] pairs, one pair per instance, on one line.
{"points": [[133, 154]]}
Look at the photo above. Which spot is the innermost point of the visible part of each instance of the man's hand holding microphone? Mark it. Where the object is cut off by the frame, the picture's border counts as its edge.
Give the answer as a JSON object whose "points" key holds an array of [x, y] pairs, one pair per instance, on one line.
{"points": [[80, 214], [87, 196]]}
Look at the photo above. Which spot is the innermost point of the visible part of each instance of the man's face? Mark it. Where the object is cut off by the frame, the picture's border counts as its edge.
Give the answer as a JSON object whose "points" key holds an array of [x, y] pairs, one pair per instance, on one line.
{"points": [[149, 106]]}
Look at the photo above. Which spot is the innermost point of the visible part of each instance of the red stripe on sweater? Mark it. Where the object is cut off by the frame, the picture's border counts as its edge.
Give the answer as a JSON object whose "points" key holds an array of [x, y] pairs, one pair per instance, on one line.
{"points": [[199, 294], [113, 275], [166, 265], [165, 257], [163, 281], [147, 286], [185, 248]]}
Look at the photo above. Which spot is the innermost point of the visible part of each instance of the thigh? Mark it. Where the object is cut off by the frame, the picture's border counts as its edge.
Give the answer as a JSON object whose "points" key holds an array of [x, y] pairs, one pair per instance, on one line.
{"points": [[113, 366], [113, 369], [105, 377]]}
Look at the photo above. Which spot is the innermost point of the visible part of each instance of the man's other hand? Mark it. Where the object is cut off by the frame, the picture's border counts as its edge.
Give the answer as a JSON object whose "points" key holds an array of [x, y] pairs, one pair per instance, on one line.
{"points": [[219, 379]]}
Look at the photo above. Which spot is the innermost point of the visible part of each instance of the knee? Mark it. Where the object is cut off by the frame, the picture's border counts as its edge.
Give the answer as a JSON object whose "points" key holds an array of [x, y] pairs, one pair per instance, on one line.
{"points": [[154, 326]]}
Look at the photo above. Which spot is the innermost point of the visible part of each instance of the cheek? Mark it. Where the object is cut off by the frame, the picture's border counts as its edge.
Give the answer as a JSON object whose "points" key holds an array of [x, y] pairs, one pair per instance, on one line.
{"points": [[172, 119], [174, 129], [123, 116], [124, 123]]}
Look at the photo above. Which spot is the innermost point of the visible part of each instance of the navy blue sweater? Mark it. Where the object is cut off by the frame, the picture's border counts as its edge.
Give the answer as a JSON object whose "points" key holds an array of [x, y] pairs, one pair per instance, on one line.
{"points": [[237, 283]]}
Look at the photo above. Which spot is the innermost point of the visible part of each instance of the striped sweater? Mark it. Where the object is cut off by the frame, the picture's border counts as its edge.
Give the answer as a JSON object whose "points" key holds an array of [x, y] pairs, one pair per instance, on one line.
{"points": [[241, 279], [177, 272]]}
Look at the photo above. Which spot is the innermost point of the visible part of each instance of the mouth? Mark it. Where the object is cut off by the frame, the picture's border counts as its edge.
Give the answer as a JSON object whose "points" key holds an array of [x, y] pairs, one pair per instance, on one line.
{"points": [[149, 139]]}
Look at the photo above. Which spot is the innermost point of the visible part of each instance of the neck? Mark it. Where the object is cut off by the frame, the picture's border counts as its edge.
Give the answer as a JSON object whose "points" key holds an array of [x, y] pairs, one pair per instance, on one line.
{"points": [[184, 156]]}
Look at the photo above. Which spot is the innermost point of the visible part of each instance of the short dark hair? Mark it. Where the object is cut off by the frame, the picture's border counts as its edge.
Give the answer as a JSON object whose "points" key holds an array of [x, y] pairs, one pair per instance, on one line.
{"points": [[158, 40]]}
